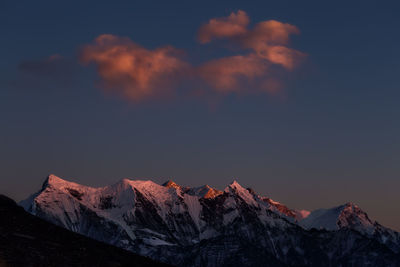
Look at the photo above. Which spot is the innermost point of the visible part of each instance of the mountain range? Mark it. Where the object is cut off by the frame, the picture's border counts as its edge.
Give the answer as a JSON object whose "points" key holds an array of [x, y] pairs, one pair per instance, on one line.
{"points": [[203, 226]]}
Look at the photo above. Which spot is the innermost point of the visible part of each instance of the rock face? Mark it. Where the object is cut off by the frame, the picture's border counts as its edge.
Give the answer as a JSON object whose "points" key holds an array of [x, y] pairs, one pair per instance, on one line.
{"points": [[203, 226], [26, 240]]}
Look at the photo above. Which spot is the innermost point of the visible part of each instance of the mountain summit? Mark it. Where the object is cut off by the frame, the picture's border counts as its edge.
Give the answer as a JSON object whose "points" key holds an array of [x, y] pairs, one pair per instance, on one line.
{"points": [[203, 226], [172, 184]]}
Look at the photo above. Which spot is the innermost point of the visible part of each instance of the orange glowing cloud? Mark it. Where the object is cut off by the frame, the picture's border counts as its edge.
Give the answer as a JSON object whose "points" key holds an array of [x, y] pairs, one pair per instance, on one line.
{"points": [[140, 74], [241, 74], [227, 27], [263, 47], [232, 74], [268, 39], [135, 72]]}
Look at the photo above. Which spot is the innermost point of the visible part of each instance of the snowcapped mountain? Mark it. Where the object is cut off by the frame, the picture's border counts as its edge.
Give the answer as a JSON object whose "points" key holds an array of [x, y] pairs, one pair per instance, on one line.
{"points": [[204, 191], [350, 216], [347, 215], [203, 226]]}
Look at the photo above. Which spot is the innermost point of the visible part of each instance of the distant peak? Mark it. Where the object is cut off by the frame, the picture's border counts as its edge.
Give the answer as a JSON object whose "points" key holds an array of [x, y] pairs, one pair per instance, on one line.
{"points": [[302, 214], [53, 180], [351, 208], [348, 206], [347, 215], [53, 177], [204, 191], [235, 184], [57, 182], [235, 188], [172, 184]]}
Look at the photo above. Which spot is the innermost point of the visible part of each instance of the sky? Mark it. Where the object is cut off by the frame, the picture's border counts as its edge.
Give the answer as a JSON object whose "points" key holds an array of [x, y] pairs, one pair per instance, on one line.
{"points": [[298, 100]]}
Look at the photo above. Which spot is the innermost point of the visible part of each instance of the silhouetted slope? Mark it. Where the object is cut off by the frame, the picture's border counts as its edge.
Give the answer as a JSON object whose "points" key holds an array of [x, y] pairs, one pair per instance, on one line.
{"points": [[26, 240]]}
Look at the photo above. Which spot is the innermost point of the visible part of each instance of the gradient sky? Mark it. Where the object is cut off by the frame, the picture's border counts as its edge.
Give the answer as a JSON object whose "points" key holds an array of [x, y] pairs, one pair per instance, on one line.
{"points": [[330, 135]]}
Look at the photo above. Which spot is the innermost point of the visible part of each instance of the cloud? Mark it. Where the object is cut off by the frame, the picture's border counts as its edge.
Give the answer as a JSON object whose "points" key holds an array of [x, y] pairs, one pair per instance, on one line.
{"points": [[226, 27], [240, 74], [54, 72], [141, 74], [54, 66], [268, 39], [134, 71], [232, 74], [263, 47]]}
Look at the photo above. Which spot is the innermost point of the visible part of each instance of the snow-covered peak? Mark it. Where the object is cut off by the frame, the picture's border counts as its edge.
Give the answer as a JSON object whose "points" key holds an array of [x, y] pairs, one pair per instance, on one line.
{"points": [[56, 181], [204, 191], [353, 216], [172, 184], [322, 219], [141, 183], [284, 210], [153, 191], [343, 216], [302, 214], [235, 184], [235, 188]]}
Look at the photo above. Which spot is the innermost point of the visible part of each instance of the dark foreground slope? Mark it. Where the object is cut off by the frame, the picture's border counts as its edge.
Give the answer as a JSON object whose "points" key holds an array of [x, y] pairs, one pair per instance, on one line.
{"points": [[26, 240]]}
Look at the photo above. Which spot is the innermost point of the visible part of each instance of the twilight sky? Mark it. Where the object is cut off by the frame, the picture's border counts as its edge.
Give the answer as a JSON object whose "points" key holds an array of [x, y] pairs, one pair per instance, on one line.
{"points": [[296, 99]]}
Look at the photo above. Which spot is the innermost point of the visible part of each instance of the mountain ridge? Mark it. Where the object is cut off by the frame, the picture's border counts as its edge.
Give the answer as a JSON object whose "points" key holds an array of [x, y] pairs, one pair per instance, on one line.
{"points": [[177, 224]]}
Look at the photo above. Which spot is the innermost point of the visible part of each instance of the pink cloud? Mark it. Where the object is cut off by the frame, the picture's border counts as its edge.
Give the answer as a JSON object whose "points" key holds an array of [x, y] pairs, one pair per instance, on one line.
{"points": [[268, 39], [226, 27], [140, 74], [232, 74], [263, 47], [134, 71], [269, 32]]}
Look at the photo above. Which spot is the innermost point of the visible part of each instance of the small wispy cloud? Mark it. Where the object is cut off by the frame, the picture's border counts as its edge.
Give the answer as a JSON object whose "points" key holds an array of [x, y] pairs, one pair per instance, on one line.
{"points": [[54, 66], [54, 72]]}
